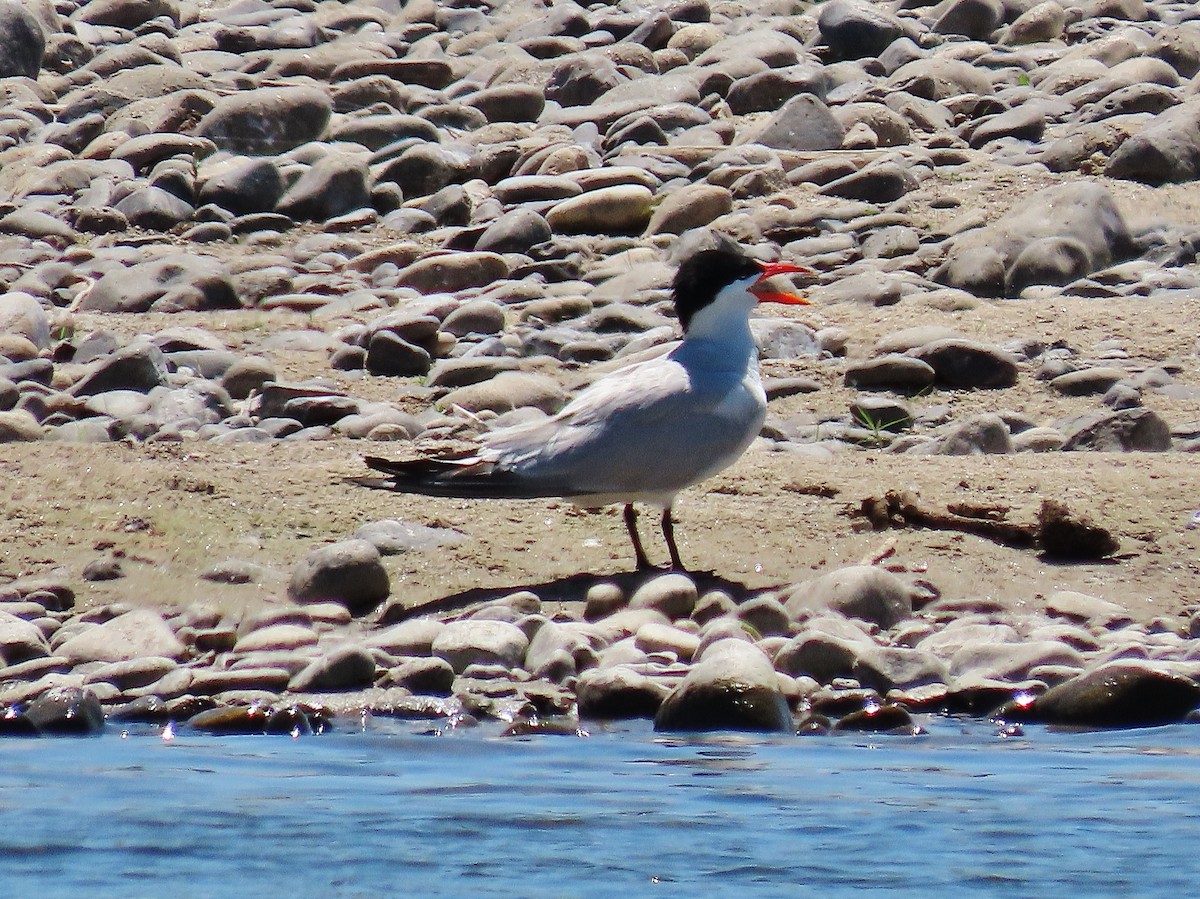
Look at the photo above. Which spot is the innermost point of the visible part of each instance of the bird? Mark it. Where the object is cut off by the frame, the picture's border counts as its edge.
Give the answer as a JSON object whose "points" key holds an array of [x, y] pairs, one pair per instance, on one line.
{"points": [[642, 433]]}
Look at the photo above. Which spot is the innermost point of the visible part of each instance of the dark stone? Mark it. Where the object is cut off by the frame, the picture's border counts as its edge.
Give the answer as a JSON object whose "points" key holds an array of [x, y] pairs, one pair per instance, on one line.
{"points": [[335, 185], [1069, 537], [138, 366], [1121, 430], [732, 687], [1122, 694], [853, 29], [880, 183], [349, 572], [68, 711], [267, 120], [803, 123], [767, 91], [22, 41], [232, 720], [244, 187], [878, 719], [965, 364]]}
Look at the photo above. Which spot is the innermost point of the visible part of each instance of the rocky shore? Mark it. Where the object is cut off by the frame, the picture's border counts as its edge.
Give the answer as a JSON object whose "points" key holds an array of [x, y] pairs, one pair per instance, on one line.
{"points": [[248, 242]]}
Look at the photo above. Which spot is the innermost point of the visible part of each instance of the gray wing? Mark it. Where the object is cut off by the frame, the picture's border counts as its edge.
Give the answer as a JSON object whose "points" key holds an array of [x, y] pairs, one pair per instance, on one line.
{"points": [[651, 428]]}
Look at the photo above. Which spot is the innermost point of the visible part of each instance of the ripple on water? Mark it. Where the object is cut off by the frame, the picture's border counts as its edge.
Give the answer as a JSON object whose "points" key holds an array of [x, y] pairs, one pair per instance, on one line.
{"points": [[961, 810]]}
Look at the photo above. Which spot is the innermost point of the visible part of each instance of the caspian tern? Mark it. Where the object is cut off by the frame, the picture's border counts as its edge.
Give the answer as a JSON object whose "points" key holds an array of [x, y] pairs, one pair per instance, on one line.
{"points": [[644, 432]]}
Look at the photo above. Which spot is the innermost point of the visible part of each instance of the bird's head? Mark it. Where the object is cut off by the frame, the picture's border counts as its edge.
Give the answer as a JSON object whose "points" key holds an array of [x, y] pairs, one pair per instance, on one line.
{"points": [[726, 276]]}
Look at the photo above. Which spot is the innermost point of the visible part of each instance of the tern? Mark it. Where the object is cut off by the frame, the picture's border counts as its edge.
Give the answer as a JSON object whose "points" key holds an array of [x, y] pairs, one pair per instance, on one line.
{"points": [[643, 433]]}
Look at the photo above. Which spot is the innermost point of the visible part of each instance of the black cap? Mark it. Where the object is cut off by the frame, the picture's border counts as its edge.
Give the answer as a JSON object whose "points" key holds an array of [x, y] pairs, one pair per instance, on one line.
{"points": [[704, 274]]}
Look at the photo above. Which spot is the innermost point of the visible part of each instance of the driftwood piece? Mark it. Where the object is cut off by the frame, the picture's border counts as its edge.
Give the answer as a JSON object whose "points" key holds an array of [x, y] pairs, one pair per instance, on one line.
{"points": [[1057, 532]]}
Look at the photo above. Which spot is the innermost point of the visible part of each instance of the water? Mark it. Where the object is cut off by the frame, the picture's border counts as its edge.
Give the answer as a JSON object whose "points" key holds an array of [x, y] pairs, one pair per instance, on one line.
{"points": [[396, 811]]}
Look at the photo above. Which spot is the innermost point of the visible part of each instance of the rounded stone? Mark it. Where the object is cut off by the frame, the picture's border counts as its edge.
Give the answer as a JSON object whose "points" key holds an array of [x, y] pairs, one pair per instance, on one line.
{"points": [[349, 572]]}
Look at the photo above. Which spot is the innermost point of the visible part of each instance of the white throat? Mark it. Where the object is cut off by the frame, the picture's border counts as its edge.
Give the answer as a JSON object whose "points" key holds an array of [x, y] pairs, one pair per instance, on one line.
{"points": [[723, 326]]}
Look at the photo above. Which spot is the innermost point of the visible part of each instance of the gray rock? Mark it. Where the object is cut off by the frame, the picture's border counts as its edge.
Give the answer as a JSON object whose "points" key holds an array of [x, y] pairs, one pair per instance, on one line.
{"points": [[977, 435], [408, 638], [766, 614], [853, 29], [127, 14], [823, 657], [282, 636], [673, 594], [241, 184], [267, 120], [423, 169], [22, 41], [603, 599], [940, 78], [857, 591], [425, 677], [582, 78], [349, 572], [1122, 694], [507, 391], [1087, 381], [732, 687], [452, 272], [21, 314], [392, 537], [767, 91], [509, 102], [480, 642], [389, 354], [335, 185], [1025, 122], [880, 183], [1011, 661], [514, 232], [693, 206], [802, 123], [18, 426], [965, 364], [897, 668], [576, 641], [1042, 22], [132, 674], [1038, 440], [154, 208], [655, 639], [892, 371], [247, 375], [1048, 260], [347, 667], [138, 367], [20, 640], [464, 370], [983, 260], [475, 317], [618, 693], [1090, 610], [172, 283], [1122, 430], [66, 710], [1166, 150], [976, 19], [135, 634], [621, 209]]}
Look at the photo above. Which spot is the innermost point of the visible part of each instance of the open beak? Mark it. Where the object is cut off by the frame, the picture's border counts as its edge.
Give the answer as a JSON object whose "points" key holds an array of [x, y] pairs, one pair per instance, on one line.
{"points": [[770, 270]]}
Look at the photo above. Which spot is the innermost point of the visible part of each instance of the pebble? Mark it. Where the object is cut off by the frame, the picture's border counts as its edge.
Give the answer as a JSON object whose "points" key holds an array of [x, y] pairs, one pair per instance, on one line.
{"points": [[349, 572]]}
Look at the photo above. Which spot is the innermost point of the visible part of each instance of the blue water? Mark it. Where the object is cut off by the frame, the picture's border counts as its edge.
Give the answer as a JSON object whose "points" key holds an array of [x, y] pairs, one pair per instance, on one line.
{"points": [[394, 810]]}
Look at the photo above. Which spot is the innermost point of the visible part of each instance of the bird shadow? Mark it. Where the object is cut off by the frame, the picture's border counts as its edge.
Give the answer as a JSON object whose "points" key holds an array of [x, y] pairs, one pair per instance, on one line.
{"points": [[572, 588]]}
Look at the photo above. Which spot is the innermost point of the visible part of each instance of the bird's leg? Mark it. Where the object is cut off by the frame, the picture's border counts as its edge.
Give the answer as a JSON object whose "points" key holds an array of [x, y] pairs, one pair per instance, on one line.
{"points": [[631, 525], [668, 529]]}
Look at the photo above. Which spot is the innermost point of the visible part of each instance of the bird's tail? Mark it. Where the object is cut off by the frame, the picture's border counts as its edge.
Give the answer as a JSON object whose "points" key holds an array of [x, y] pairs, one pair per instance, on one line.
{"points": [[465, 478]]}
